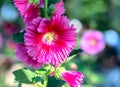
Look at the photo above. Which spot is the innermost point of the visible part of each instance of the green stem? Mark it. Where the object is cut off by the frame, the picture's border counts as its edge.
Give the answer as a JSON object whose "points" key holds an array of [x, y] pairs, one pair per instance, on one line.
{"points": [[19, 84], [45, 81], [46, 8]]}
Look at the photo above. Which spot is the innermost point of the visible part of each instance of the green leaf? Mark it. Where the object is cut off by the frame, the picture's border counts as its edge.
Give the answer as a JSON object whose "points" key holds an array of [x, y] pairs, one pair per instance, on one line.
{"points": [[76, 52], [53, 82], [18, 37], [52, 2], [24, 76], [51, 10]]}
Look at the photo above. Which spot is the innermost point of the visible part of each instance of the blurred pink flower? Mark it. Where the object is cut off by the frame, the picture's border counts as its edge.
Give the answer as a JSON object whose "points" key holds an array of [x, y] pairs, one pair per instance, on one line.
{"points": [[9, 28], [1, 40], [59, 8], [50, 41], [73, 78], [92, 42], [22, 55], [10, 44]]}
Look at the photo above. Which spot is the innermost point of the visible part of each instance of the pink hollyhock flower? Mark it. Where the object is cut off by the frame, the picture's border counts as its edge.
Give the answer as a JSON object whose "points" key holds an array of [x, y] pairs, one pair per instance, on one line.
{"points": [[50, 41], [27, 9], [59, 8], [1, 40], [92, 42], [73, 78], [22, 55]]}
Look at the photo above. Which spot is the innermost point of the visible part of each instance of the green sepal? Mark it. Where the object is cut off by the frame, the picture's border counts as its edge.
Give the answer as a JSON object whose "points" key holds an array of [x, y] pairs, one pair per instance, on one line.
{"points": [[35, 2], [18, 37], [24, 76], [38, 79], [46, 70]]}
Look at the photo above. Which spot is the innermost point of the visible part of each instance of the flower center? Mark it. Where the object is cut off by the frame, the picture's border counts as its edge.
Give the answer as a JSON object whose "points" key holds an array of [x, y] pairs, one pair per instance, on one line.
{"points": [[49, 37], [93, 42]]}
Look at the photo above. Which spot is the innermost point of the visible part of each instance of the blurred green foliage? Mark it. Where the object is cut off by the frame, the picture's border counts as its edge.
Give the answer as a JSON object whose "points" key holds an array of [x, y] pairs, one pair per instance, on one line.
{"points": [[97, 14]]}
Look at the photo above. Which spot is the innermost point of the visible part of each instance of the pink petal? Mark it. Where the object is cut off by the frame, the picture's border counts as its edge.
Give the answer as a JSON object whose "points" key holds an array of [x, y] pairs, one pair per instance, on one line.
{"points": [[59, 8], [22, 55], [21, 5]]}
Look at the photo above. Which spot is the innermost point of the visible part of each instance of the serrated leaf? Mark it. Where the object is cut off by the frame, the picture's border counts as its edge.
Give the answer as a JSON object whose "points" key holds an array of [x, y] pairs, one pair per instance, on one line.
{"points": [[52, 2], [76, 52], [18, 37], [24, 76]]}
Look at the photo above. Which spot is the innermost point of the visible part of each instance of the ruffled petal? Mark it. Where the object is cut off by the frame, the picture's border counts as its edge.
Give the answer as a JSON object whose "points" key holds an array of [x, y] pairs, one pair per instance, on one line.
{"points": [[22, 55], [59, 8]]}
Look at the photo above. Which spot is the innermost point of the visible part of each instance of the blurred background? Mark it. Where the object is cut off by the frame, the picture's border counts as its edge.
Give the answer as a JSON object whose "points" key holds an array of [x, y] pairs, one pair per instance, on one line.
{"points": [[101, 69]]}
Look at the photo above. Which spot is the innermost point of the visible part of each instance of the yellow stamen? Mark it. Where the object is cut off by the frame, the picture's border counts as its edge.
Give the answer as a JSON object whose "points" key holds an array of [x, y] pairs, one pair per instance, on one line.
{"points": [[49, 37]]}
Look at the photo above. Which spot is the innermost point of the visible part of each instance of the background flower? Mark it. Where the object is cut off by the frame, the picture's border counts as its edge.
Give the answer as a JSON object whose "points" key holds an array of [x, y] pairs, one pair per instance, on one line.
{"points": [[111, 42], [92, 42], [1, 40], [77, 24]]}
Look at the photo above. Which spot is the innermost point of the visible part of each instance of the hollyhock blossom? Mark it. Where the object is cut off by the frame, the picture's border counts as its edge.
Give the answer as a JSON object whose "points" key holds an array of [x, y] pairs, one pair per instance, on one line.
{"points": [[92, 42], [50, 40], [28, 10], [1, 40], [73, 78], [22, 55]]}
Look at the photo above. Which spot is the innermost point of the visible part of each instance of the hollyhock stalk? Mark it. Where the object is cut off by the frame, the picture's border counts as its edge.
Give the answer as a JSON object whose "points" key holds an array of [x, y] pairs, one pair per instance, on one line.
{"points": [[46, 8], [47, 43]]}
